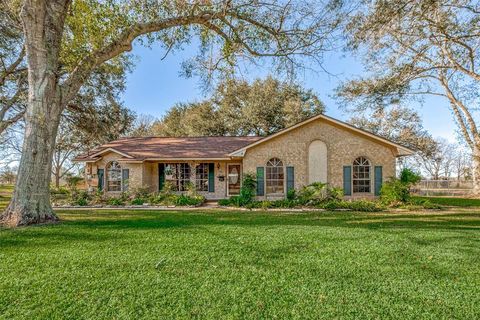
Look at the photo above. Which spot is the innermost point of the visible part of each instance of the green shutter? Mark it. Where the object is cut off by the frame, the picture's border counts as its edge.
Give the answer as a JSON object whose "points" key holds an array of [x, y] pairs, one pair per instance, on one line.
{"points": [[125, 177], [347, 180], [161, 176], [100, 179], [378, 180], [211, 177], [260, 183], [290, 178]]}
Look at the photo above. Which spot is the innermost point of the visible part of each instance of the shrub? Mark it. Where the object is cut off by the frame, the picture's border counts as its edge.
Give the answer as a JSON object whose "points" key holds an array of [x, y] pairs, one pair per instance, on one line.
{"points": [[317, 193], [116, 201], [82, 202], [138, 201], [247, 191], [397, 191], [409, 176], [186, 200], [415, 203], [79, 198], [394, 192], [140, 193], [224, 202], [291, 194]]}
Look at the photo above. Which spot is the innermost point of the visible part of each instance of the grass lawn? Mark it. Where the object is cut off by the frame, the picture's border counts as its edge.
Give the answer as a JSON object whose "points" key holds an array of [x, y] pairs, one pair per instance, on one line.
{"points": [[456, 202], [226, 265], [5, 195]]}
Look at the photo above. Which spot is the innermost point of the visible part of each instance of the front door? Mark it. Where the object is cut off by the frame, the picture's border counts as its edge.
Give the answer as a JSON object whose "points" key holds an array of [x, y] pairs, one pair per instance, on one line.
{"points": [[234, 179]]}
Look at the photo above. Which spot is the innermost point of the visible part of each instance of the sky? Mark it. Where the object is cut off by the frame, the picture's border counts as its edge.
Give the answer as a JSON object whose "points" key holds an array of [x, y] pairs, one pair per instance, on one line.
{"points": [[154, 85]]}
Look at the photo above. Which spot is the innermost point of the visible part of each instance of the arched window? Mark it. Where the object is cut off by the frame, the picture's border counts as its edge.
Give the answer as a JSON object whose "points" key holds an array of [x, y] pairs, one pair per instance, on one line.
{"points": [[361, 175], [114, 176], [274, 176]]}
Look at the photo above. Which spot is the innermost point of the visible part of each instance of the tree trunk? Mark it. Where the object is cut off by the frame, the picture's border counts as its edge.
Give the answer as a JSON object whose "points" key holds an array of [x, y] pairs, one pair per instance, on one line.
{"points": [[43, 23], [476, 170], [30, 203], [57, 178]]}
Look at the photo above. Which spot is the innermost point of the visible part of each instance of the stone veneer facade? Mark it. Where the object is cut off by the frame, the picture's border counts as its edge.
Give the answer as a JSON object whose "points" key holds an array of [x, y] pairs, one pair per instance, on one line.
{"points": [[343, 147]]}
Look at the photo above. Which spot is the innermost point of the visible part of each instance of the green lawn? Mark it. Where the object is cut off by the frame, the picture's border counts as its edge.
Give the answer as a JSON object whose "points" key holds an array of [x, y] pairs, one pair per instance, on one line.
{"points": [[226, 265], [5, 194], [456, 202]]}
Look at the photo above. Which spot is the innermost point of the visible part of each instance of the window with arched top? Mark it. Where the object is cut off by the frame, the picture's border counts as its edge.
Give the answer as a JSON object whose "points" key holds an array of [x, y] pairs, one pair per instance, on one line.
{"points": [[361, 175], [114, 176], [274, 176]]}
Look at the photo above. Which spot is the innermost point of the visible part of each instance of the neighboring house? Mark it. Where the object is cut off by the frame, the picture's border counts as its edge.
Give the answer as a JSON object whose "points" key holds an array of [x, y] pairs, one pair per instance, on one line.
{"points": [[319, 149]]}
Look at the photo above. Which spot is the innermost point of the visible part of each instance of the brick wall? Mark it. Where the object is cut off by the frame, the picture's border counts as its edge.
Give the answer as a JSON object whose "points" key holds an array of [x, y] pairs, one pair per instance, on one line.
{"points": [[343, 146]]}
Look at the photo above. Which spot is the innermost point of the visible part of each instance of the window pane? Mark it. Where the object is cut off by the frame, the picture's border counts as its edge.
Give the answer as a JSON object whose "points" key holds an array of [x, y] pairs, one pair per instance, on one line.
{"points": [[201, 177], [361, 175]]}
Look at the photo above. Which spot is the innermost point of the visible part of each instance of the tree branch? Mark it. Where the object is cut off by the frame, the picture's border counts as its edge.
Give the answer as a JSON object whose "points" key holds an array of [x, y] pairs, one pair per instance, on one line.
{"points": [[123, 44]]}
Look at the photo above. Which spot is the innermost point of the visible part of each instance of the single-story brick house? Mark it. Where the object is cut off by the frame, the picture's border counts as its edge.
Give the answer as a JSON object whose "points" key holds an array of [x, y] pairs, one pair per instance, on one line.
{"points": [[318, 149]]}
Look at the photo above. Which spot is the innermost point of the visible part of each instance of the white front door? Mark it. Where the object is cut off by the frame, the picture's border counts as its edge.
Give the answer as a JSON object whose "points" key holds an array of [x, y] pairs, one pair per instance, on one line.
{"points": [[234, 179]]}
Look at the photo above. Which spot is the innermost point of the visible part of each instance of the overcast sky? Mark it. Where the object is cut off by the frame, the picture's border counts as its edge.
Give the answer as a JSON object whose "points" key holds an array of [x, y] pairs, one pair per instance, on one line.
{"points": [[156, 84]]}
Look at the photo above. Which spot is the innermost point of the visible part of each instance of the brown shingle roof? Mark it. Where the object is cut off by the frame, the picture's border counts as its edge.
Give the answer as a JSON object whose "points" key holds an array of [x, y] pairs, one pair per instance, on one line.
{"points": [[173, 148]]}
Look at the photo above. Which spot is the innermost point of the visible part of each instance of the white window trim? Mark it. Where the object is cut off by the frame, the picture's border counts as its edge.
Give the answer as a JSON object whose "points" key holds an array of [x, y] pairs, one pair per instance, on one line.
{"points": [[240, 176], [370, 175]]}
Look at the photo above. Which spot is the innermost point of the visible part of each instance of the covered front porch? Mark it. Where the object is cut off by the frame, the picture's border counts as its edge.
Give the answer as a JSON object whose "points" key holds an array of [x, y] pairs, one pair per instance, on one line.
{"points": [[214, 179]]}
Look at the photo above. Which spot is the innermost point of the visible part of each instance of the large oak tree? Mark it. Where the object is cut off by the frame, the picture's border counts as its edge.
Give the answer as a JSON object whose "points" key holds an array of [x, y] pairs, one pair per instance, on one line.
{"points": [[237, 108], [95, 32]]}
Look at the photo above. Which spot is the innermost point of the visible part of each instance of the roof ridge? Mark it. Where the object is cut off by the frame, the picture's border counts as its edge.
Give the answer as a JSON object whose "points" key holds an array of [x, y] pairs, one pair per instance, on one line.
{"points": [[183, 137]]}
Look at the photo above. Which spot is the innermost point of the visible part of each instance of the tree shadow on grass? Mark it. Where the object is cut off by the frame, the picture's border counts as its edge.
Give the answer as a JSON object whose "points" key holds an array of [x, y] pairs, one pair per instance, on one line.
{"points": [[95, 226], [188, 219]]}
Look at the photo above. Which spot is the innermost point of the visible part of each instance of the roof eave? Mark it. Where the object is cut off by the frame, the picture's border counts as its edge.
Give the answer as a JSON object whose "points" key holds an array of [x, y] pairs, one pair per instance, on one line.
{"points": [[406, 151]]}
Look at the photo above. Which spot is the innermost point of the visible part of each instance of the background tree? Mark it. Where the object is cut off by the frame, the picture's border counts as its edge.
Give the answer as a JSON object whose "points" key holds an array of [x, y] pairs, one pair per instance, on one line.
{"points": [[189, 119], [8, 175], [399, 124], [65, 42], [142, 126], [74, 138], [418, 48], [441, 163], [240, 108], [13, 70]]}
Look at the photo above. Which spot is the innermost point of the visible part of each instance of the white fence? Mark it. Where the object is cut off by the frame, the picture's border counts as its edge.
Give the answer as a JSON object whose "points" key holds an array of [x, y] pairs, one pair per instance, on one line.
{"points": [[449, 188]]}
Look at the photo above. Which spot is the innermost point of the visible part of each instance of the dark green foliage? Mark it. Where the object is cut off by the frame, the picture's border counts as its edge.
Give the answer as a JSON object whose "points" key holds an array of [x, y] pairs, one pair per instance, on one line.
{"points": [[415, 203], [397, 191], [225, 202], [409, 177], [138, 201], [188, 200], [247, 191], [238, 108], [291, 194], [115, 201], [80, 198], [318, 192]]}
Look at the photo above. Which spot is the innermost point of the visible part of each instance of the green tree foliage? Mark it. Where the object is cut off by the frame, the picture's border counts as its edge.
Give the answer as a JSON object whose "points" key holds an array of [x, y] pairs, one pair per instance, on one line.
{"points": [[241, 108], [94, 108]]}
